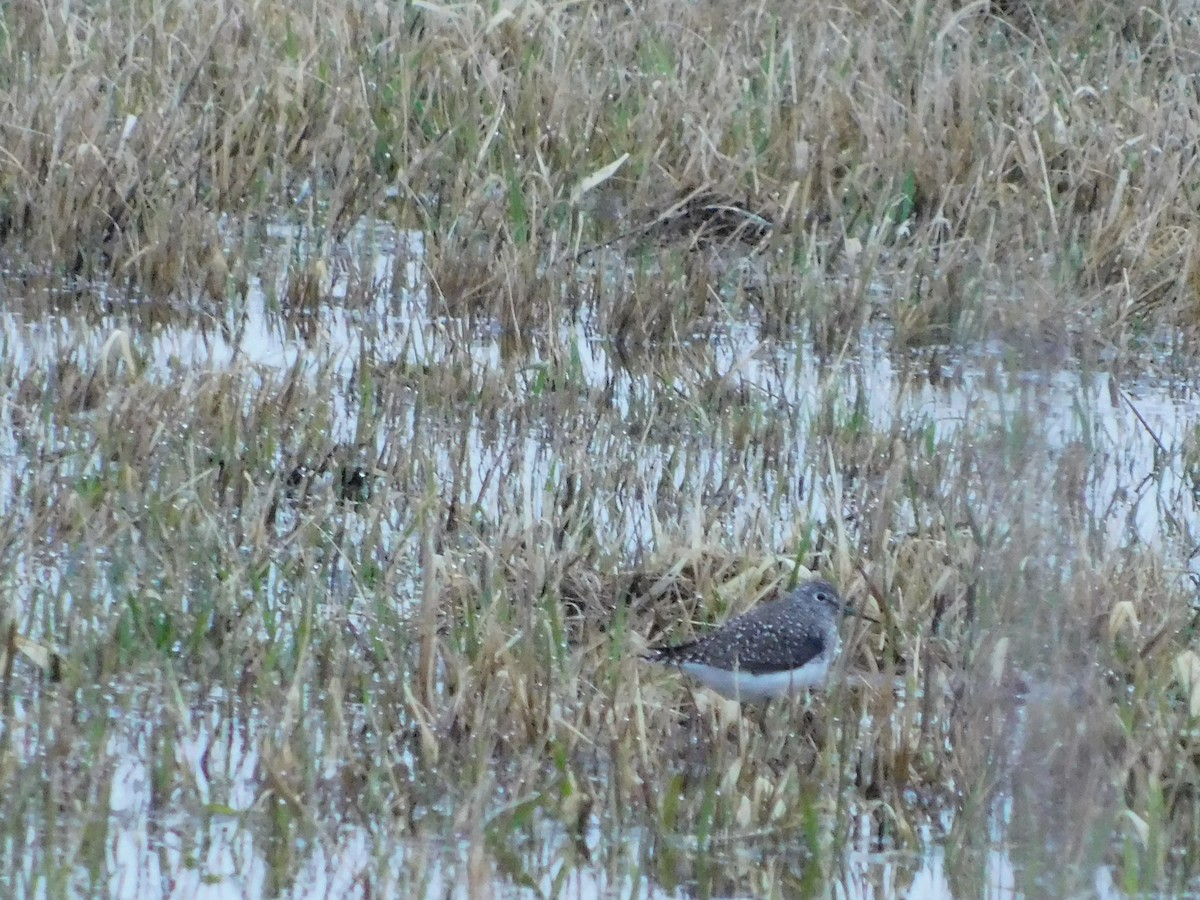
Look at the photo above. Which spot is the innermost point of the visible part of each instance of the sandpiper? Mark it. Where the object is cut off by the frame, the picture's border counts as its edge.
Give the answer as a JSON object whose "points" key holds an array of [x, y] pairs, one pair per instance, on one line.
{"points": [[778, 647]]}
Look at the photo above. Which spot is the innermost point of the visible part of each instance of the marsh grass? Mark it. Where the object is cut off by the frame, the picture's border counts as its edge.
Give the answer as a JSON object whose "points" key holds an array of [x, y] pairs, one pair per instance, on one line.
{"points": [[960, 147], [281, 644], [372, 617]]}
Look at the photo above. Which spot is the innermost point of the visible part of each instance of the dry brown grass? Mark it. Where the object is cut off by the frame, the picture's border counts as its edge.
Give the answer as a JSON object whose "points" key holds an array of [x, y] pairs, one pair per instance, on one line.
{"points": [[951, 147]]}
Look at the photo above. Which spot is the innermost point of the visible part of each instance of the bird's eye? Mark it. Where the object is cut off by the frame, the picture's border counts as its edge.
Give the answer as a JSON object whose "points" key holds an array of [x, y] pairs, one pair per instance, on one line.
{"points": [[821, 595]]}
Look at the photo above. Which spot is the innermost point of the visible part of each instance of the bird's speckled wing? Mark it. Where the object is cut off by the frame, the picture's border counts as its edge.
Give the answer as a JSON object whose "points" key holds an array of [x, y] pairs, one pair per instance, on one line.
{"points": [[756, 643]]}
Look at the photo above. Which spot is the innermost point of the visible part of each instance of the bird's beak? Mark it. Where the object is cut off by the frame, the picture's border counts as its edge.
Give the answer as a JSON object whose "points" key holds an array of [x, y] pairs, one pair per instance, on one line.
{"points": [[851, 611]]}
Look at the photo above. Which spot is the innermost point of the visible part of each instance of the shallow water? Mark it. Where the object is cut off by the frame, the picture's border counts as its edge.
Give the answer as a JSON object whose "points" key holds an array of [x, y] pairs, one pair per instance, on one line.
{"points": [[1125, 428], [1123, 439]]}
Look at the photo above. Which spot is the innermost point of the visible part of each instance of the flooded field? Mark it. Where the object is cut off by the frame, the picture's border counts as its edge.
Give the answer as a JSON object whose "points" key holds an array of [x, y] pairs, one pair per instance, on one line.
{"points": [[382, 382], [357, 606]]}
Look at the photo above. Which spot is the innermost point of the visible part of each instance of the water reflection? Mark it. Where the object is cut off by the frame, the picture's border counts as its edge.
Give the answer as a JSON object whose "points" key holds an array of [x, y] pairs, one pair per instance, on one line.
{"points": [[188, 773]]}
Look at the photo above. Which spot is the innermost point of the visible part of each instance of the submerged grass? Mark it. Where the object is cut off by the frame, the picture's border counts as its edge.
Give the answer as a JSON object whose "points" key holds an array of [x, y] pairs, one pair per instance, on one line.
{"points": [[371, 618], [455, 657]]}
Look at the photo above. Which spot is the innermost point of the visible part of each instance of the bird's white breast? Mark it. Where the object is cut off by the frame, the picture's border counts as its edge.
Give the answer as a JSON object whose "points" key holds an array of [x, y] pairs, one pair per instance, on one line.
{"points": [[738, 684]]}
